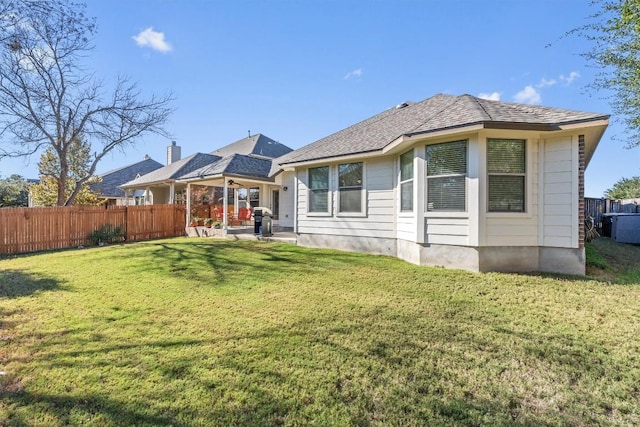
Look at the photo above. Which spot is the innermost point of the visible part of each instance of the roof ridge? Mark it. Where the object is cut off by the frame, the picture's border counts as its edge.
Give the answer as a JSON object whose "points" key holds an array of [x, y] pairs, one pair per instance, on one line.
{"points": [[128, 166], [350, 129], [476, 101], [188, 161], [437, 113]]}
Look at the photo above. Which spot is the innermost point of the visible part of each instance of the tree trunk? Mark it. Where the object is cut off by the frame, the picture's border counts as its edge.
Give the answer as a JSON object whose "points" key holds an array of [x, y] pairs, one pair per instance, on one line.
{"points": [[62, 185]]}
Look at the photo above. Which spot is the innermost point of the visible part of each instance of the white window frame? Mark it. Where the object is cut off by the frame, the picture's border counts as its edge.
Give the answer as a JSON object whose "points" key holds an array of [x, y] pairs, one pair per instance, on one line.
{"points": [[411, 180], [363, 194], [525, 195], [329, 192], [465, 176]]}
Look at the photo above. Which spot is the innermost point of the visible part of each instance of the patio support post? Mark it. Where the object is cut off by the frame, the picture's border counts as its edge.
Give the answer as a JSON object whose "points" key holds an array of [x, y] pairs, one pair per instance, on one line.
{"points": [[188, 219], [225, 203], [172, 193], [295, 202]]}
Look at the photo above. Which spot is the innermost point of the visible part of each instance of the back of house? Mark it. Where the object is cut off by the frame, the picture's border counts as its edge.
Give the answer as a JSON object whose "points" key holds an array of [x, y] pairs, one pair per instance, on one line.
{"points": [[454, 181]]}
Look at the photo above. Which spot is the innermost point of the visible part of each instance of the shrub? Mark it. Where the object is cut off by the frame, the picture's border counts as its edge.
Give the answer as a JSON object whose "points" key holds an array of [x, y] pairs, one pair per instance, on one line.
{"points": [[107, 234]]}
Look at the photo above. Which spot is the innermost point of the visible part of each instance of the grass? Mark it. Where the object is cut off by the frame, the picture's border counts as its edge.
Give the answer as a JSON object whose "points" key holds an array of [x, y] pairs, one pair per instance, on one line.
{"points": [[613, 261], [208, 332]]}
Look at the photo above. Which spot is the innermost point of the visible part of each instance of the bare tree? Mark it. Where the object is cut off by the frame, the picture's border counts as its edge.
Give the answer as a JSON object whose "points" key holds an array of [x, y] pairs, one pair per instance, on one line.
{"points": [[49, 100]]}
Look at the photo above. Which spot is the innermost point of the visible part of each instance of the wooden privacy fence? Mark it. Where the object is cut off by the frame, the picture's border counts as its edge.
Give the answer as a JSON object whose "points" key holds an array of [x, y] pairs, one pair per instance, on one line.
{"points": [[596, 208], [38, 229]]}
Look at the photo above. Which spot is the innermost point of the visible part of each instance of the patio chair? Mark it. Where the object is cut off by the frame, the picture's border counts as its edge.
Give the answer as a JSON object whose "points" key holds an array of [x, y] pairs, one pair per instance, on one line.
{"points": [[242, 214], [218, 212]]}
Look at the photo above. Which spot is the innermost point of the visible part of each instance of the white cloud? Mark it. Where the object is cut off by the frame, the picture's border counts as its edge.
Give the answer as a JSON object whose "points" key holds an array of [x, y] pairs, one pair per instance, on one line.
{"points": [[547, 82], [152, 39], [528, 95], [353, 74], [493, 96], [572, 76]]}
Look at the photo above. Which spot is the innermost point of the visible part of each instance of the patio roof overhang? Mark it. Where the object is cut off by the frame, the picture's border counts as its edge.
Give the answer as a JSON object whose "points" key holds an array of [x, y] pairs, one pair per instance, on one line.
{"points": [[219, 180]]}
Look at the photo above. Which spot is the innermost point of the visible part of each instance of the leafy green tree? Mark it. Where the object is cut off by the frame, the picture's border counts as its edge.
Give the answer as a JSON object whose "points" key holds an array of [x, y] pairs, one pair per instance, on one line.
{"points": [[49, 99], [14, 192], [625, 188], [79, 163], [615, 37], [45, 193]]}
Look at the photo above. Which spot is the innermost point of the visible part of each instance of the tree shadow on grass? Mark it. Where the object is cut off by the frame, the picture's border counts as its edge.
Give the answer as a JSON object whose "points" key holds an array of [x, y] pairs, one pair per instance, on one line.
{"points": [[74, 410], [228, 258], [16, 283], [362, 363]]}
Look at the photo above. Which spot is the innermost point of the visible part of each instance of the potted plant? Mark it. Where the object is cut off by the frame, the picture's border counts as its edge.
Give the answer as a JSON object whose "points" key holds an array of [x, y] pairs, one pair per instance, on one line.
{"points": [[194, 221], [217, 224], [208, 222]]}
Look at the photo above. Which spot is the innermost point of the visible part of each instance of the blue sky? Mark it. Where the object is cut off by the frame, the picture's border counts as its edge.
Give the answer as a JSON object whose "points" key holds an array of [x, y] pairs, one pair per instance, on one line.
{"points": [[297, 71]]}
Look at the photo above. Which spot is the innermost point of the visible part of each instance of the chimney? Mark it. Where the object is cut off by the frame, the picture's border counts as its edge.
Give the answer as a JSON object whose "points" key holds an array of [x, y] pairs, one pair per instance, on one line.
{"points": [[173, 153]]}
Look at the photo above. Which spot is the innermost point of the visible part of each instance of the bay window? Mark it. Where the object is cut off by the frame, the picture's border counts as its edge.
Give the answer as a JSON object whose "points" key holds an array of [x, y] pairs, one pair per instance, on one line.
{"points": [[406, 182], [506, 175], [447, 176]]}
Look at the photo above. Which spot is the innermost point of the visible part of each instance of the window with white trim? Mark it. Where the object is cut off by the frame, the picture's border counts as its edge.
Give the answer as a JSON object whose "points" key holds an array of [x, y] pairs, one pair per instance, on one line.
{"points": [[319, 189], [350, 178], [506, 175], [406, 182], [447, 176]]}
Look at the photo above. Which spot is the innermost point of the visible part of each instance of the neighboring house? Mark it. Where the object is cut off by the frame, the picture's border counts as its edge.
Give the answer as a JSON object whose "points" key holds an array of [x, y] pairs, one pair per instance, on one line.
{"points": [[453, 181], [240, 170], [161, 186], [109, 186]]}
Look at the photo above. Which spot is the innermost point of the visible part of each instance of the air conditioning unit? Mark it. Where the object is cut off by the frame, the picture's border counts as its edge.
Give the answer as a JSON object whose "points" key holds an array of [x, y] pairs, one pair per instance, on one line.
{"points": [[625, 228]]}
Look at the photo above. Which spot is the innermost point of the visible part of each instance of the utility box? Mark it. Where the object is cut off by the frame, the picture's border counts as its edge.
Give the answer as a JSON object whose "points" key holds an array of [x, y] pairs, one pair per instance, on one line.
{"points": [[625, 228]]}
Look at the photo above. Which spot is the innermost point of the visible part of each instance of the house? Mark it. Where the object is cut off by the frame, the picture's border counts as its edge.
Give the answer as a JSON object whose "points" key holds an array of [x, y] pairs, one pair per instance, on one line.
{"points": [[454, 181], [108, 187], [226, 179], [161, 186]]}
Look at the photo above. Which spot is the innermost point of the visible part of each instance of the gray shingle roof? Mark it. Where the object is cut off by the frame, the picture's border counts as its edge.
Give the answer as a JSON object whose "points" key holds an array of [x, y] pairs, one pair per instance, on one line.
{"points": [[111, 180], [175, 170], [257, 145], [235, 164], [440, 112]]}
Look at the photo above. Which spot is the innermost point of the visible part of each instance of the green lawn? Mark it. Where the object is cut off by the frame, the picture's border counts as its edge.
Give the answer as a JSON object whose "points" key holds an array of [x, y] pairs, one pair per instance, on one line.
{"points": [[197, 332]]}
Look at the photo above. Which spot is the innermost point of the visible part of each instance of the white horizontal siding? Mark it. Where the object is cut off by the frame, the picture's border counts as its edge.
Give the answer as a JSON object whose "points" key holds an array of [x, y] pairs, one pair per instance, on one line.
{"points": [[557, 241], [450, 229], [559, 191], [446, 231], [406, 228], [557, 187], [557, 230], [514, 231], [558, 220], [551, 178], [380, 215], [504, 230], [435, 239], [287, 198]]}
